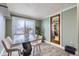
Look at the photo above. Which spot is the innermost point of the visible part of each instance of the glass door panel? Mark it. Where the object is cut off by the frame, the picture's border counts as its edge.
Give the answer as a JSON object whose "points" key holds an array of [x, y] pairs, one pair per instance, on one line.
{"points": [[18, 26], [30, 27], [55, 29], [19, 38]]}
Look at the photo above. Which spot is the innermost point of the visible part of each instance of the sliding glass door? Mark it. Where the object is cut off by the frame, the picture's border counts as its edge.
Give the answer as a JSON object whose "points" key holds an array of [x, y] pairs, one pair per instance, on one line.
{"points": [[30, 30], [23, 30]]}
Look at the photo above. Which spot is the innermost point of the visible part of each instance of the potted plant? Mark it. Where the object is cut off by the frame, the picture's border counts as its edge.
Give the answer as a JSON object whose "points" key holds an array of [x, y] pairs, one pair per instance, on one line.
{"points": [[43, 38], [38, 32]]}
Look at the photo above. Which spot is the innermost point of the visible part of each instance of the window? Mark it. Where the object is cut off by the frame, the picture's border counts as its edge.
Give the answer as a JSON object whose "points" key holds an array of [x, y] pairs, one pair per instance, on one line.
{"points": [[23, 30], [2, 31]]}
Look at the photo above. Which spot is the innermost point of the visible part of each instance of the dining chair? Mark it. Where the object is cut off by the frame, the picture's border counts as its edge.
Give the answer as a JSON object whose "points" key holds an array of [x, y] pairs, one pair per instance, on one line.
{"points": [[9, 49], [36, 46]]}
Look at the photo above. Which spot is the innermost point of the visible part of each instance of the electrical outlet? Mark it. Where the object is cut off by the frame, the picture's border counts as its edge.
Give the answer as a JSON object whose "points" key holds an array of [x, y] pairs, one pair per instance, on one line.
{"points": [[70, 42]]}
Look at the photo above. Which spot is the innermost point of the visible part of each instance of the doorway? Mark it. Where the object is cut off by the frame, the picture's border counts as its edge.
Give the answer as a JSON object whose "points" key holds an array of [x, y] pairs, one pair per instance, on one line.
{"points": [[55, 29]]}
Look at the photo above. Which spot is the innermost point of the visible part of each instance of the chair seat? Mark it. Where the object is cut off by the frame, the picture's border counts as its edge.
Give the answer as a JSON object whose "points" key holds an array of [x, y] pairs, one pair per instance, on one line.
{"points": [[19, 46], [10, 50], [36, 44]]}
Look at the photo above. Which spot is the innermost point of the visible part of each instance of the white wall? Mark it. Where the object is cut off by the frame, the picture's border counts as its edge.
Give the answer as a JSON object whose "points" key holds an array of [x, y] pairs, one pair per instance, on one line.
{"points": [[2, 30], [78, 24], [46, 28], [69, 28]]}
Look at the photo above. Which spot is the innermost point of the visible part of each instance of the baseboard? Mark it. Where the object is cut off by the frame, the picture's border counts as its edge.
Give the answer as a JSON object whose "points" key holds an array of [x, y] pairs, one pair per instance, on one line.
{"points": [[59, 46], [55, 44], [77, 53], [2, 52]]}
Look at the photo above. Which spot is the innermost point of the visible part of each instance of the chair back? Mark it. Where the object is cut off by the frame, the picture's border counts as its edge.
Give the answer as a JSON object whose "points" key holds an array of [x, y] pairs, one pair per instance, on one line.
{"points": [[9, 40], [5, 46]]}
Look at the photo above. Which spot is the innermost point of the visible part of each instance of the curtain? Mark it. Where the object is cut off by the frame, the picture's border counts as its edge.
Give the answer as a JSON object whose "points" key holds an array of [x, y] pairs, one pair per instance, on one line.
{"points": [[23, 30], [2, 31]]}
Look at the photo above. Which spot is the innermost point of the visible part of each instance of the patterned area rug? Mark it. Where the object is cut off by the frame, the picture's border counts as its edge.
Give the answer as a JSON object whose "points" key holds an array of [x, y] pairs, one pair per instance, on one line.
{"points": [[49, 50], [46, 50]]}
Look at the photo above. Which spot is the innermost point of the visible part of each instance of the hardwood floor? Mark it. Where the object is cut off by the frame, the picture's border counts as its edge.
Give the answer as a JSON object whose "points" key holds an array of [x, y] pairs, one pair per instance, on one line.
{"points": [[56, 40], [46, 50]]}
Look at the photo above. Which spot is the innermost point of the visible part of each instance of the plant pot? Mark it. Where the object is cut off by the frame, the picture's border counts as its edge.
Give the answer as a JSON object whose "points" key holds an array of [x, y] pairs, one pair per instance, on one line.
{"points": [[40, 37]]}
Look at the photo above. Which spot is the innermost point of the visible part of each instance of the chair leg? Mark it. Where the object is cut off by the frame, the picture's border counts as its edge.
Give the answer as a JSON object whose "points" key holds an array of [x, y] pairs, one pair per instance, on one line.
{"points": [[8, 53], [19, 52], [33, 50], [39, 48]]}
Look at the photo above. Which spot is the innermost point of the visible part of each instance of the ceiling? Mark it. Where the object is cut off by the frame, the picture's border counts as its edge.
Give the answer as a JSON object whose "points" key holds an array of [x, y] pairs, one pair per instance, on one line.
{"points": [[38, 10]]}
